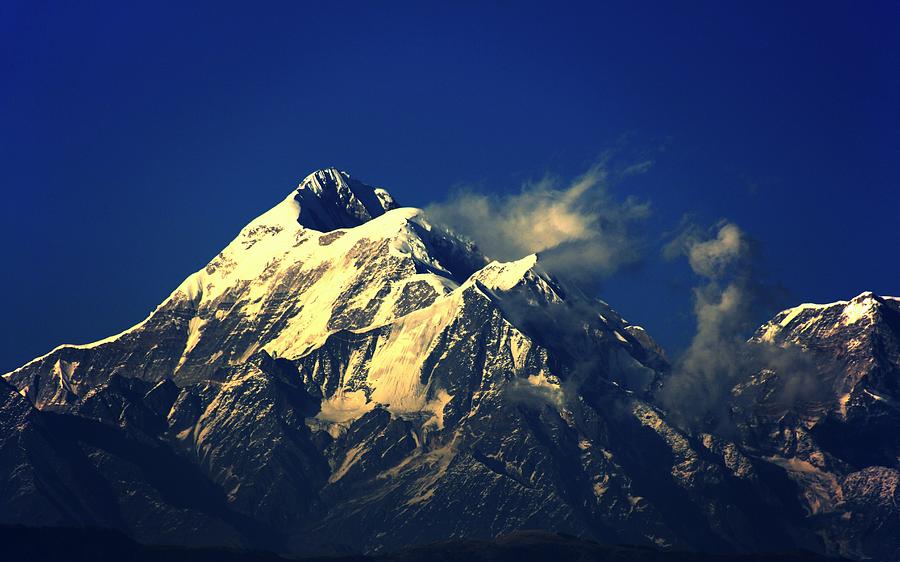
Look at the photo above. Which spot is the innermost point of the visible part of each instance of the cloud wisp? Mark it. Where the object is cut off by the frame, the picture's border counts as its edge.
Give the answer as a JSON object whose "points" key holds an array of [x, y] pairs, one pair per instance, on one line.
{"points": [[702, 378], [727, 306], [578, 229]]}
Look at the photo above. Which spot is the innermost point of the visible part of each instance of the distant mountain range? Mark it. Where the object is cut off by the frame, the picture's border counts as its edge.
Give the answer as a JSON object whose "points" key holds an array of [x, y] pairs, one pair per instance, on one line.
{"points": [[348, 377]]}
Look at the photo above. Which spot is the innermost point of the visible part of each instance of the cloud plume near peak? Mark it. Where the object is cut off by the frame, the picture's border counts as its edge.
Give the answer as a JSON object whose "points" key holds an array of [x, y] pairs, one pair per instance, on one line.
{"points": [[712, 258], [704, 375], [578, 229], [727, 306]]}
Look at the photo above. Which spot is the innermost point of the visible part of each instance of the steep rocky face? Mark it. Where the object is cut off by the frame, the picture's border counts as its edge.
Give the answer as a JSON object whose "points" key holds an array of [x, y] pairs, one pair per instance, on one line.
{"points": [[330, 199], [862, 335], [500, 432], [108, 471], [838, 439], [346, 364]]}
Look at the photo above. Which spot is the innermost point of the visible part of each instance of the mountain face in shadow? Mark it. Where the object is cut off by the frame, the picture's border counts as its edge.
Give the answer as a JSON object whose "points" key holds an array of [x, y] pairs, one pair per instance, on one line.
{"points": [[94, 545]]}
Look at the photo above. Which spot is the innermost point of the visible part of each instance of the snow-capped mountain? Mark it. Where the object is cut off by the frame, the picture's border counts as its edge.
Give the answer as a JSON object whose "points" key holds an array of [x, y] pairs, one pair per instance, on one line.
{"points": [[280, 286], [346, 375], [839, 439]]}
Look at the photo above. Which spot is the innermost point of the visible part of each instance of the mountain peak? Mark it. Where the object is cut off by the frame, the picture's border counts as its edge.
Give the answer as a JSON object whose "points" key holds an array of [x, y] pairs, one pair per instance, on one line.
{"points": [[824, 320], [861, 306], [331, 199]]}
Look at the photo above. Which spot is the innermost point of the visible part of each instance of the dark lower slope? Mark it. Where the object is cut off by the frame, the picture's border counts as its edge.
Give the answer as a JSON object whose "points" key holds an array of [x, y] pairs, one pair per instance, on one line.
{"points": [[98, 545]]}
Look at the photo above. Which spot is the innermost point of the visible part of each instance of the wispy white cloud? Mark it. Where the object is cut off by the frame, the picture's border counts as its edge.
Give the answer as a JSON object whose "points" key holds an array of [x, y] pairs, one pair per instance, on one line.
{"points": [[577, 228], [711, 257]]}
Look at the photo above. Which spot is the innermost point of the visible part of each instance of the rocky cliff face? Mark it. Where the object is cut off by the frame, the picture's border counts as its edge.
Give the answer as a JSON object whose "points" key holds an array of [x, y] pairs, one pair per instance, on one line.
{"points": [[838, 438], [345, 364]]}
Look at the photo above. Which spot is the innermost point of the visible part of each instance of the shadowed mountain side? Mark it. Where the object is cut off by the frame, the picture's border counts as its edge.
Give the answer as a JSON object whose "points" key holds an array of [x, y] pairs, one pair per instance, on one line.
{"points": [[97, 545]]}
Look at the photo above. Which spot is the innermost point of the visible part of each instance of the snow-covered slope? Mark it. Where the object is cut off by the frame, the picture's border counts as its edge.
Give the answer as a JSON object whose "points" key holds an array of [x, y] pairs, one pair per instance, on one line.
{"points": [[281, 286], [823, 320]]}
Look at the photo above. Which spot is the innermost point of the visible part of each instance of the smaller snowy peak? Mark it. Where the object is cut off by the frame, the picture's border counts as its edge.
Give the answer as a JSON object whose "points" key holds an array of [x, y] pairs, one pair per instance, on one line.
{"points": [[523, 279], [331, 199], [504, 276], [824, 320]]}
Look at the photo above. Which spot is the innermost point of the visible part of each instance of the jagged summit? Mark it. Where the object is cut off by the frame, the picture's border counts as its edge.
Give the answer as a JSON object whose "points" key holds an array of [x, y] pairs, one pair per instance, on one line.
{"points": [[791, 324], [861, 334], [330, 199]]}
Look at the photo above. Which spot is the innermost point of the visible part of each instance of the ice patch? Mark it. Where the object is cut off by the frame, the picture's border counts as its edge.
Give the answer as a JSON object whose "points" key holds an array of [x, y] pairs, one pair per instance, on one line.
{"points": [[396, 366], [858, 309], [842, 402], [195, 330], [437, 406], [344, 406], [349, 460], [821, 490]]}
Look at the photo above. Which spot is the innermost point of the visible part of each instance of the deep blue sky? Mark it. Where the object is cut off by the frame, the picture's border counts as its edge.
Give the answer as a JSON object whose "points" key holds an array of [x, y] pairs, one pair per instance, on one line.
{"points": [[137, 140]]}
